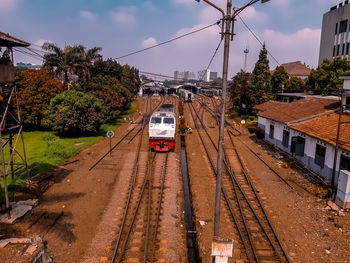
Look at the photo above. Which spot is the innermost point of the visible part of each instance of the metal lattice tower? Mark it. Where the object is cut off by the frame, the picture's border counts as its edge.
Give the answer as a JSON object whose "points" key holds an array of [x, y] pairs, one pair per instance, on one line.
{"points": [[12, 150]]}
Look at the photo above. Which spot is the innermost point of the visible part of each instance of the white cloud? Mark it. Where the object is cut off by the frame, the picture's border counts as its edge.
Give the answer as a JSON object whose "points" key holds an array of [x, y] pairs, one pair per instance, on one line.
{"points": [[151, 41], [251, 15], [41, 42], [87, 15], [7, 5], [302, 45], [125, 15]]}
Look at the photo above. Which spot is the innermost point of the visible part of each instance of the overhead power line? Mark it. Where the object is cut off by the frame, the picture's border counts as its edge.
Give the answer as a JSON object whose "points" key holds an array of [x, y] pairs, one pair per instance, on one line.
{"points": [[258, 39], [168, 41], [215, 52]]}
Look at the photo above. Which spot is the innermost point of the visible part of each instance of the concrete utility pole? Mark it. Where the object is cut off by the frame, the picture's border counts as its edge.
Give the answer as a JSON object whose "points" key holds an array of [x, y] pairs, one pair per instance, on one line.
{"points": [[227, 32]]}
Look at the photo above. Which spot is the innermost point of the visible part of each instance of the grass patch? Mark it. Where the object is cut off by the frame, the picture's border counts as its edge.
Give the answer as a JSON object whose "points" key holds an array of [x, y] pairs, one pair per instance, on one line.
{"points": [[46, 150]]}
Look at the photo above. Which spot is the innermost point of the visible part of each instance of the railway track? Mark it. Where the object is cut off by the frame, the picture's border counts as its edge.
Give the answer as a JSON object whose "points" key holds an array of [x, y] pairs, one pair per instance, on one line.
{"points": [[256, 232], [134, 131], [137, 237]]}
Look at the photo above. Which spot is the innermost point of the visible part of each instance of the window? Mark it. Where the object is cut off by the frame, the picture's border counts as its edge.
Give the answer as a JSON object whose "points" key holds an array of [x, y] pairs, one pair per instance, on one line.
{"points": [[343, 49], [320, 155], [334, 51], [343, 26], [156, 120], [344, 163], [347, 48], [298, 146], [272, 131], [336, 28], [347, 103], [285, 139], [338, 46], [168, 120]]}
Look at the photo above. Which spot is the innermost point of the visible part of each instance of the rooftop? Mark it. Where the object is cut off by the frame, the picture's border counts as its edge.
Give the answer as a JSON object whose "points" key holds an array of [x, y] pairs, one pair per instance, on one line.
{"points": [[9, 41], [296, 69], [299, 110], [325, 128]]}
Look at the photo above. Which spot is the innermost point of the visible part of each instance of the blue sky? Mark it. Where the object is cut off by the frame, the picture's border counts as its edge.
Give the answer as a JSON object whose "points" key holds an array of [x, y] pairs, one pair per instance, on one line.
{"points": [[290, 28]]}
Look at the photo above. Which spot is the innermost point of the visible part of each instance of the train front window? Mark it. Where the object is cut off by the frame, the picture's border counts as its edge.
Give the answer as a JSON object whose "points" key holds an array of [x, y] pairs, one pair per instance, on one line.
{"points": [[156, 120], [168, 120]]}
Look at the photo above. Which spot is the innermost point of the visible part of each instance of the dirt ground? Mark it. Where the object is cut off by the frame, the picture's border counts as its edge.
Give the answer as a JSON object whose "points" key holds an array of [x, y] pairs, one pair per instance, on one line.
{"points": [[79, 214], [309, 231]]}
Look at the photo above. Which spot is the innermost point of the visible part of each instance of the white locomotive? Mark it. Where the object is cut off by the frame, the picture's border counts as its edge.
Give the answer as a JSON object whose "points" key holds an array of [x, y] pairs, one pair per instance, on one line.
{"points": [[162, 129]]}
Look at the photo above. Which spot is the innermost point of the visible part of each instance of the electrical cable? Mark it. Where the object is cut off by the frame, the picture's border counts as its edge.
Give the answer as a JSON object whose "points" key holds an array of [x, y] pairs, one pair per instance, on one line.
{"points": [[168, 41], [215, 52], [257, 38]]}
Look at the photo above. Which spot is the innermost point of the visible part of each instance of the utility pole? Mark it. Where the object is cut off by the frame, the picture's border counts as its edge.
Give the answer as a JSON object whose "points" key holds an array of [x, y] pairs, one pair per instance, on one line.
{"points": [[227, 32]]}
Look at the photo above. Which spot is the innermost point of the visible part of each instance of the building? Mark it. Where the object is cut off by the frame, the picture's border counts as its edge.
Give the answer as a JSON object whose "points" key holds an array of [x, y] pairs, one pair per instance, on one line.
{"points": [[178, 75], [188, 75], [296, 70], [204, 75], [213, 76], [290, 97], [28, 65], [335, 35], [184, 75], [307, 130]]}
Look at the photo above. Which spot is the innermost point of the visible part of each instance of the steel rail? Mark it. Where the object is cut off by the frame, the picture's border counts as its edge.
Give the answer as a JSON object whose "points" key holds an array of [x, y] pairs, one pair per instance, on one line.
{"points": [[144, 117], [249, 204], [160, 200], [131, 188], [264, 162], [285, 254], [229, 205]]}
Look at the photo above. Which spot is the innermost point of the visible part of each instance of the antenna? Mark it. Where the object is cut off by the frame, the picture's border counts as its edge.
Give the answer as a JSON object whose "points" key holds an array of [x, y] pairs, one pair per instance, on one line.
{"points": [[246, 51]]}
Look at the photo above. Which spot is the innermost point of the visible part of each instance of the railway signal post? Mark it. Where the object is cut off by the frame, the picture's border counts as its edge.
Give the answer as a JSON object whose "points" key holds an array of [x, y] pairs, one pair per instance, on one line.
{"points": [[227, 32], [110, 135]]}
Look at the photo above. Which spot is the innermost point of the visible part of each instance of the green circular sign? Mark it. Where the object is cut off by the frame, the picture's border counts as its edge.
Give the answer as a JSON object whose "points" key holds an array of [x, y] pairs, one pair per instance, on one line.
{"points": [[110, 134]]}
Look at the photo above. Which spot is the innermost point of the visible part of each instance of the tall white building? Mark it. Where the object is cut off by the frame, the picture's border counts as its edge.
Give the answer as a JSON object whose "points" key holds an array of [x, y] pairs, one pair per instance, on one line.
{"points": [[204, 75]]}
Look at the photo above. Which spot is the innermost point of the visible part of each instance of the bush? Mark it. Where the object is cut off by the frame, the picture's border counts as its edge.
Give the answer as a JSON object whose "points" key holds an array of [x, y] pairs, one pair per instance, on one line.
{"points": [[74, 112]]}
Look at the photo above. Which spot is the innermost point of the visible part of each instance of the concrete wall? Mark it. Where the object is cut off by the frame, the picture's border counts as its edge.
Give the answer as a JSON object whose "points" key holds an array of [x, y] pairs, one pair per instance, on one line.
{"points": [[261, 123], [309, 152], [328, 37]]}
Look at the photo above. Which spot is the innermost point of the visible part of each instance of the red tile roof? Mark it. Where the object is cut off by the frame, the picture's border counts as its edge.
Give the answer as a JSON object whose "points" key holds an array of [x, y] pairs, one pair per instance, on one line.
{"points": [[296, 69], [325, 128], [296, 110]]}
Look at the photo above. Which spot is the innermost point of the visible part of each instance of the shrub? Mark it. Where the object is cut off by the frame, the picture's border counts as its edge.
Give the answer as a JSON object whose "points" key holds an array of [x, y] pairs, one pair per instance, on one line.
{"points": [[74, 112]]}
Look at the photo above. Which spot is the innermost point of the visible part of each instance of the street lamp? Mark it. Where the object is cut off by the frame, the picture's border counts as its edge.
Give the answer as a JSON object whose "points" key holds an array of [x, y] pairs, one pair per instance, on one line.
{"points": [[229, 32]]}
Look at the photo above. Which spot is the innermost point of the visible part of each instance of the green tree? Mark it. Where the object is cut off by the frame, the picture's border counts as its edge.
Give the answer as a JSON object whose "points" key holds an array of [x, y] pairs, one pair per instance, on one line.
{"points": [[260, 84], [279, 79], [295, 84], [72, 59], [35, 90], [240, 93], [326, 77], [74, 112]]}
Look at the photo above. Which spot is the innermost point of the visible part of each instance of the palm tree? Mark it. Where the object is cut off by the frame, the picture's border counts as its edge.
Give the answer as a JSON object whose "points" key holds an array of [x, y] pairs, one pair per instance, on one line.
{"points": [[57, 61], [72, 59]]}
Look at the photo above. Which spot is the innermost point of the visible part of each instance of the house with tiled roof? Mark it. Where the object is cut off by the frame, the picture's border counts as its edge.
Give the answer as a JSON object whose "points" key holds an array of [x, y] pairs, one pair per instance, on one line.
{"points": [[307, 129], [296, 69]]}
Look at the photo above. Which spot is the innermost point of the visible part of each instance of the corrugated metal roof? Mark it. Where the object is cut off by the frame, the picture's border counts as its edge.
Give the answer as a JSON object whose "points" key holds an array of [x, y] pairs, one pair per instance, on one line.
{"points": [[9, 41]]}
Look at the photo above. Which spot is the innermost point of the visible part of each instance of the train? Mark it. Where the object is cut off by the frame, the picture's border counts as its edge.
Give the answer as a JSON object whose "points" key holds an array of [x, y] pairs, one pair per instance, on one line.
{"points": [[185, 94], [210, 92], [162, 129]]}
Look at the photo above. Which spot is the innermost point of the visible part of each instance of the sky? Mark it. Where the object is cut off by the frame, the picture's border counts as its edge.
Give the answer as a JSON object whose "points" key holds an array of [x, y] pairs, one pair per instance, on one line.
{"points": [[291, 30]]}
